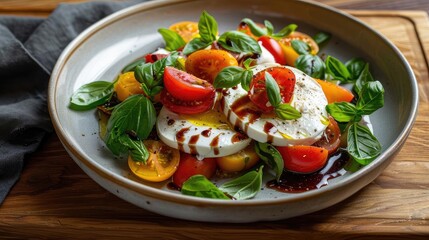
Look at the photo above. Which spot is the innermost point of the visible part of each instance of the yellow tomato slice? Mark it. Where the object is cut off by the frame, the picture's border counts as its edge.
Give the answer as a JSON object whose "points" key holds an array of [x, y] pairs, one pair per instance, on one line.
{"points": [[186, 29], [127, 85], [239, 161], [206, 64], [161, 165]]}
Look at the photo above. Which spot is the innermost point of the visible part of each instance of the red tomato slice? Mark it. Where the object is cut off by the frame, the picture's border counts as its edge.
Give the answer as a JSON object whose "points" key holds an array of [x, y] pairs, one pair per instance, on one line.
{"points": [[274, 48], [185, 86], [186, 107], [330, 139], [189, 166], [284, 77], [153, 57], [303, 159]]}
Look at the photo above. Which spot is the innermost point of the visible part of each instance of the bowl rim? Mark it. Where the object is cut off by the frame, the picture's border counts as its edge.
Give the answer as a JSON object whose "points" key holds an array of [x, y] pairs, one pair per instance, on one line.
{"points": [[145, 190]]}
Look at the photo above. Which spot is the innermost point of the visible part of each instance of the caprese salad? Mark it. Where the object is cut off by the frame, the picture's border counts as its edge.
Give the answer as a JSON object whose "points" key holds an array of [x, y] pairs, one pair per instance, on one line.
{"points": [[237, 105]]}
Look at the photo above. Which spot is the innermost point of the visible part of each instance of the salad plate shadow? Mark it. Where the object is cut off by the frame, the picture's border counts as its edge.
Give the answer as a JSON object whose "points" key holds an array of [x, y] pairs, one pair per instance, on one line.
{"points": [[104, 49]]}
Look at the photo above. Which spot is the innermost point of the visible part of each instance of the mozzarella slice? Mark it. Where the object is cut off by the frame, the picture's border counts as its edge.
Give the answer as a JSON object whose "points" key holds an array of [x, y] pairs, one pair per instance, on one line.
{"points": [[308, 98], [205, 135]]}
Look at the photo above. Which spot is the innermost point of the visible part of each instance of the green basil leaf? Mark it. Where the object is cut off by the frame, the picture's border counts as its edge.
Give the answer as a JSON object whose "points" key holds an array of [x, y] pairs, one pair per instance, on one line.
{"points": [[229, 77], [246, 79], [362, 144], [136, 114], [371, 97], [364, 77], [132, 66], [144, 74], [312, 65], [300, 47], [321, 38], [136, 148], [247, 63], [194, 45], [91, 95], [207, 27], [254, 28], [285, 31], [336, 69], [287, 112], [270, 156], [355, 67], [245, 186], [236, 41], [200, 186], [273, 90], [173, 40], [269, 26], [343, 112]]}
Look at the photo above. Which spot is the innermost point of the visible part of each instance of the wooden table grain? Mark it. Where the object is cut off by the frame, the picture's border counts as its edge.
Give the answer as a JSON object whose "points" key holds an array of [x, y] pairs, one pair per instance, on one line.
{"points": [[55, 199]]}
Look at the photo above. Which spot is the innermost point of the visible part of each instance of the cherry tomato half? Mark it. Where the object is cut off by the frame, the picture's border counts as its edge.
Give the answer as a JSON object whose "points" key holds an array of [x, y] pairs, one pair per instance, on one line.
{"points": [[284, 77], [244, 28], [162, 163], [186, 29], [206, 64], [187, 107], [274, 48], [239, 161], [127, 85], [330, 139], [303, 159], [185, 86], [290, 54], [189, 166]]}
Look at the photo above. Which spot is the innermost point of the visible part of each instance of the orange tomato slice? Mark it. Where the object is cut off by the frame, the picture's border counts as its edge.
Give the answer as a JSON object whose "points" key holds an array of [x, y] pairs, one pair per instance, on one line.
{"points": [[186, 29], [334, 92], [206, 64], [290, 54], [239, 161], [127, 85], [161, 165]]}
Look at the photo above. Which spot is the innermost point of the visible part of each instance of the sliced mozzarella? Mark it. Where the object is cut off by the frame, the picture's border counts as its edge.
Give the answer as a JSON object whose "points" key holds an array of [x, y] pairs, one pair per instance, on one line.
{"points": [[308, 98], [206, 135], [265, 57]]}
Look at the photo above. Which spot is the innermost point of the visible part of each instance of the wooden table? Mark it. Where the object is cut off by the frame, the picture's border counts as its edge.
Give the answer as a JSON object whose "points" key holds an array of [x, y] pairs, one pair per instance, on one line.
{"points": [[55, 199]]}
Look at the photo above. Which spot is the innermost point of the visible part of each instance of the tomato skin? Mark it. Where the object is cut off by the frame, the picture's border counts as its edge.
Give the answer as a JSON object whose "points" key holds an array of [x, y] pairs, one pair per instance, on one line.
{"points": [[185, 86], [284, 77], [161, 164], [186, 29], [330, 139], [274, 48], [206, 64], [334, 92], [127, 85], [303, 159], [189, 166], [187, 107]]}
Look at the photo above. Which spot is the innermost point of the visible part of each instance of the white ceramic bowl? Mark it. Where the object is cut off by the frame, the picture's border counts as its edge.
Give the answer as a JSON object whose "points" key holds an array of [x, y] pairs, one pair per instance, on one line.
{"points": [[105, 48]]}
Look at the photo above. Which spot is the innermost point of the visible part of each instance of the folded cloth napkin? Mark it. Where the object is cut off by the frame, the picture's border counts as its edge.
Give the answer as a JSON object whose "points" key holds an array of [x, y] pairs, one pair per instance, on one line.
{"points": [[29, 48]]}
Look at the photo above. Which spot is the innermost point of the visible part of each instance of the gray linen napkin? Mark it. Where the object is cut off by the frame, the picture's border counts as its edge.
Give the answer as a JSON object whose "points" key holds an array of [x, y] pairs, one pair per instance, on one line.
{"points": [[29, 48]]}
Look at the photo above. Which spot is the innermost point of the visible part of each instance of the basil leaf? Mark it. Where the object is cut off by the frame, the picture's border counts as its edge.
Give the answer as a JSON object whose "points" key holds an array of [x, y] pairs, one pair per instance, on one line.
{"points": [[247, 63], [136, 114], [207, 27], [287, 112], [337, 69], [343, 112], [194, 45], [229, 77], [273, 90], [136, 148], [244, 187], [200, 186], [285, 31], [312, 65], [355, 67], [246, 79], [254, 28], [237, 41], [371, 98], [300, 47], [91, 95], [269, 154], [132, 66], [269, 26], [364, 77], [173, 40], [321, 38], [362, 144]]}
